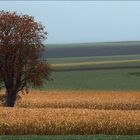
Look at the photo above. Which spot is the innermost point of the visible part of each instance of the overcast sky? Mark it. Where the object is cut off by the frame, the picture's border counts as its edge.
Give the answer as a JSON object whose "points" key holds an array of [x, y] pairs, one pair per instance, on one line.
{"points": [[83, 21]]}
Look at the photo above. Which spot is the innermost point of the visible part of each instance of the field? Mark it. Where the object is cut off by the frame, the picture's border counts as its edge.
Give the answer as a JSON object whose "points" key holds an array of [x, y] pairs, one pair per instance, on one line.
{"points": [[108, 100], [96, 62], [73, 113], [92, 49], [90, 96], [124, 79]]}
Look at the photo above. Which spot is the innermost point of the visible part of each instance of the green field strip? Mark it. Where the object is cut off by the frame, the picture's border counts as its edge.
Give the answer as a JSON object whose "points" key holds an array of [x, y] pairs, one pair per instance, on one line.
{"points": [[112, 80], [71, 137], [93, 44], [92, 59]]}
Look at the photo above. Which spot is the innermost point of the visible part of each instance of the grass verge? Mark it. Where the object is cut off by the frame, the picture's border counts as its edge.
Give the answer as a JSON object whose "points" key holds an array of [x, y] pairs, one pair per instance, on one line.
{"points": [[71, 137]]}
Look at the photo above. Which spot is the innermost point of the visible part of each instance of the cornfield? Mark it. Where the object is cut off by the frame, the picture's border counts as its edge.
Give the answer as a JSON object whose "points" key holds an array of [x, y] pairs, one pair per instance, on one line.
{"points": [[73, 112], [82, 100]]}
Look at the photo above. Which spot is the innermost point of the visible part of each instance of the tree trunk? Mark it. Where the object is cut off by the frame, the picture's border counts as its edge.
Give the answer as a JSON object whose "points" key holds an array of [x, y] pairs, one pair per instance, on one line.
{"points": [[10, 98]]}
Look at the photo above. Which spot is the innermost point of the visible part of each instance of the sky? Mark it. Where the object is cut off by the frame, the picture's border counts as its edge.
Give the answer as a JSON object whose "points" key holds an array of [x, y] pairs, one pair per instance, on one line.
{"points": [[83, 21]]}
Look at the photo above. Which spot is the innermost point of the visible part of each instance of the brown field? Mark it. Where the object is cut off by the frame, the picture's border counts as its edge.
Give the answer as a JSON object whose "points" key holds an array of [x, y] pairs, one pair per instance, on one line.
{"points": [[81, 99], [73, 112], [68, 121]]}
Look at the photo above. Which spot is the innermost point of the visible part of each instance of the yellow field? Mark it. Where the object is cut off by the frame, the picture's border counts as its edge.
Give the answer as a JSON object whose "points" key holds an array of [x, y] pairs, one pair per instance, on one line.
{"points": [[68, 121], [73, 112], [82, 99], [94, 62]]}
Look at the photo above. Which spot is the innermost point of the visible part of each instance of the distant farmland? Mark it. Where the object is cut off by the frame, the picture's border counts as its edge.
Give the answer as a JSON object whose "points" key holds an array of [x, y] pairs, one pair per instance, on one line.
{"points": [[91, 49], [94, 66]]}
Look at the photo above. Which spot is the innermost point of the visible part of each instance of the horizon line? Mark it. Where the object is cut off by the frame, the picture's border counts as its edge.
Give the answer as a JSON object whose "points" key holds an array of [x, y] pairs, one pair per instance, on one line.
{"points": [[91, 42]]}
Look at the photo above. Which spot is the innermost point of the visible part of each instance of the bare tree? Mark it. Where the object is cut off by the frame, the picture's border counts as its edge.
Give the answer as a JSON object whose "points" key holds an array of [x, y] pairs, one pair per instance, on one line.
{"points": [[20, 54]]}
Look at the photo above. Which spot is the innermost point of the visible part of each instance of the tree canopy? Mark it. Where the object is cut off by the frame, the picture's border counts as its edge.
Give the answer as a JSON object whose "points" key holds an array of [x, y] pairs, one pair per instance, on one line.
{"points": [[21, 52]]}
